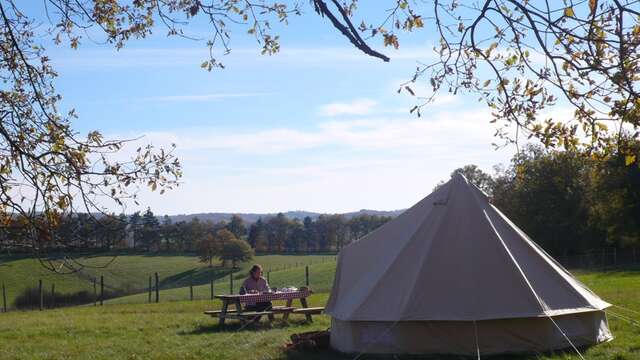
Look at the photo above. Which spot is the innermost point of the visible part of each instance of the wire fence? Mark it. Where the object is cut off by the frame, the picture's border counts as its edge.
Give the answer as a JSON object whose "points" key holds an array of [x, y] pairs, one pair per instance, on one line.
{"points": [[198, 284], [204, 283], [601, 259]]}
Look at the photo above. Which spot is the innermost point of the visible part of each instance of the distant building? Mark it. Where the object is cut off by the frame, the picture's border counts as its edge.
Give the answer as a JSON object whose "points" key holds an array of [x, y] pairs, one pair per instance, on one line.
{"points": [[129, 241]]}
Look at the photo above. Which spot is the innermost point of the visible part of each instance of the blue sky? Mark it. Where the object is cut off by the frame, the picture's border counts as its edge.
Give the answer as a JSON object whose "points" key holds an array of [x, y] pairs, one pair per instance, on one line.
{"points": [[317, 127]]}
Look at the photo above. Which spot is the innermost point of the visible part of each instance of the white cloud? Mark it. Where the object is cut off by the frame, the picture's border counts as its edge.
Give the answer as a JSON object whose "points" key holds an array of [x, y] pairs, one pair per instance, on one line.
{"points": [[443, 99], [335, 166], [355, 107], [376, 164], [433, 132], [193, 56]]}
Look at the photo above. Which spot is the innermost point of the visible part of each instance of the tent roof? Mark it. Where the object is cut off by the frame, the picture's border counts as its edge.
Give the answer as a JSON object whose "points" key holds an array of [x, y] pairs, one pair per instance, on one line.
{"points": [[452, 256]]}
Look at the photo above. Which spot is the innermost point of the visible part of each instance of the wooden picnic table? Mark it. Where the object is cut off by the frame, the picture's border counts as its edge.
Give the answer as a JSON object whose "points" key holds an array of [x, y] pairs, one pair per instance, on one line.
{"points": [[288, 296]]}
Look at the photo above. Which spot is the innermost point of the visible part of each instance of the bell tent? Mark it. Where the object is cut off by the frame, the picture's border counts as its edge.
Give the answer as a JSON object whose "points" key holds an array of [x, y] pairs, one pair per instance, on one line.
{"points": [[453, 275]]}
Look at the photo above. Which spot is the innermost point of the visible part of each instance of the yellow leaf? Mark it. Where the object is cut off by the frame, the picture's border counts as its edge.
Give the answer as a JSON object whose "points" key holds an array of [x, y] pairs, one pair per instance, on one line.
{"points": [[569, 12], [629, 159], [488, 51]]}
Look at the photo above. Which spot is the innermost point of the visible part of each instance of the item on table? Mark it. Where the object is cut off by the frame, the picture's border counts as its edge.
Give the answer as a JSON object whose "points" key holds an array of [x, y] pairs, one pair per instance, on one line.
{"points": [[289, 289]]}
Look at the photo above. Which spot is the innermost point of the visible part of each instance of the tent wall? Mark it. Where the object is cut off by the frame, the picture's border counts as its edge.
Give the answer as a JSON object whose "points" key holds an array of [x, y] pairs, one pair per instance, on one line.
{"points": [[459, 337]]}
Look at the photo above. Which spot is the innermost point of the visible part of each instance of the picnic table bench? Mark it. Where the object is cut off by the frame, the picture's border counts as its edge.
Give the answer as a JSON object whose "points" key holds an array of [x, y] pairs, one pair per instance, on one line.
{"points": [[237, 300]]}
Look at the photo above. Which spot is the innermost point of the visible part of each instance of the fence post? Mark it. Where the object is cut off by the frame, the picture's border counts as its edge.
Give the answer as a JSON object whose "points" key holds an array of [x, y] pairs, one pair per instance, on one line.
{"points": [[95, 292], [191, 287], [101, 289], [635, 260], [306, 274], [4, 298], [231, 283], [150, 288], [269, 276], [603, 257], [211, 280], [615, 257], [40, 294], [53, 296], [157, 288]]}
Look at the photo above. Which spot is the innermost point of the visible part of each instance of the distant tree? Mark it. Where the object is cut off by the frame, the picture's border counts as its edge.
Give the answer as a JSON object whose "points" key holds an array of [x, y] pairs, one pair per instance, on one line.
{"points": [[295, 238], [194, 231], [235, 250], [253, 234], [237, 226], [107, 231], [310, 235], [476, 176], [546, 194], [258, 236], [277, 232], [223, 237], [615, 196], [150, 231], [208, 249], [332, 231], [135, 222], [338, 225], [167, 232], [262, 239], [361, 225], [85, 234], [181, 236]]}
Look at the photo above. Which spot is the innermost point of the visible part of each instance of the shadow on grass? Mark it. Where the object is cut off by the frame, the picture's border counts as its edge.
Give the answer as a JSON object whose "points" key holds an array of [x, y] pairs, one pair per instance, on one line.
{"points": [[199, 276], [332, 354], [235, 326]]}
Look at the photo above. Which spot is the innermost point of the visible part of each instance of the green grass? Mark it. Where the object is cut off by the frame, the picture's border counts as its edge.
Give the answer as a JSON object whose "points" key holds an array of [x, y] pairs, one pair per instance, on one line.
{"points": [[179, 330], [173, 330], [130, 273], [320, 280]]}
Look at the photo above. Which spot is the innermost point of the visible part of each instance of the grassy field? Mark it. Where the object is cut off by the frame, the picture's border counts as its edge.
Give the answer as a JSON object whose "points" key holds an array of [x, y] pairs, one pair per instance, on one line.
{"points": [[179, 330], [320, 280], [130, 273]]}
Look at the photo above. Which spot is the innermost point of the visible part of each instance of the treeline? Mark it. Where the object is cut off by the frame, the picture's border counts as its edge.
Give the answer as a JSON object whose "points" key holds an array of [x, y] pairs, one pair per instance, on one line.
{"points": [[326, 233], [146, 232], [567, 202]]}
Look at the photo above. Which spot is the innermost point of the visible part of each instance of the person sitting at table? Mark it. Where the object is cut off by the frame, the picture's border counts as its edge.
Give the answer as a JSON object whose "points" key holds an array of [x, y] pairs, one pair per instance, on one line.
{"points": [[256, 284]]}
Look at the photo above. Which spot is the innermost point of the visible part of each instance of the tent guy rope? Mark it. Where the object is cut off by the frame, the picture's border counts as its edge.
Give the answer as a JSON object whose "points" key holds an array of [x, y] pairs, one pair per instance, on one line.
{"points": [[526, 279]]}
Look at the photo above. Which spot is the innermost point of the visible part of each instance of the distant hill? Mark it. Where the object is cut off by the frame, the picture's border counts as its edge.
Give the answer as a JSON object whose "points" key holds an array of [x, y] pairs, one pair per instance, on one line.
{"points": [[297, 214]]}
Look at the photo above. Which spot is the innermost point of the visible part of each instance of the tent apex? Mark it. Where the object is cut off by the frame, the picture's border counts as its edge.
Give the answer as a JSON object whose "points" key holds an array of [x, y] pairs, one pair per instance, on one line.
{"points": [[459, 176]]}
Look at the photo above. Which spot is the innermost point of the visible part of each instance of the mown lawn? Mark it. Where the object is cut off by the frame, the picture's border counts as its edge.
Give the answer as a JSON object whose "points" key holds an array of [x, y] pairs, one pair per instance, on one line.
{"points": [[172, 330], [179, 330]]}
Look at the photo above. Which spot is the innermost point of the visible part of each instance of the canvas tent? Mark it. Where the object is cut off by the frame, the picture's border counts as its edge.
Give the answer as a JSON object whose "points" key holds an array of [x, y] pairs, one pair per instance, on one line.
{"points": [[453, 275]]}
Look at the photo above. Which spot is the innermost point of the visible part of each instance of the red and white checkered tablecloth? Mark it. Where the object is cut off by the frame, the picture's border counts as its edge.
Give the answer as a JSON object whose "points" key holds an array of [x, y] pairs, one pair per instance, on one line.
{"points": [[256, 298]]}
